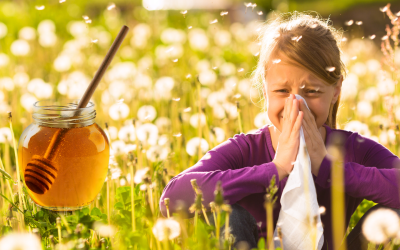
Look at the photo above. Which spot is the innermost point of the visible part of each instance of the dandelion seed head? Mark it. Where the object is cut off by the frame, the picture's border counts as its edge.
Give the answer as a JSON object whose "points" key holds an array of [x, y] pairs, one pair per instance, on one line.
{"points": [[380, 225], [166, 229], [111, 6], [140, 174], [214, 21], [13, 241], [146, 113], [39, 7], [193, 144]]}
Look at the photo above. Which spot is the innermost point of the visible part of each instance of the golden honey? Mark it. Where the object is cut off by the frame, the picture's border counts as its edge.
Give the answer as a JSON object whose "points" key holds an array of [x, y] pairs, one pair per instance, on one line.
{"points": [[82, 158]]}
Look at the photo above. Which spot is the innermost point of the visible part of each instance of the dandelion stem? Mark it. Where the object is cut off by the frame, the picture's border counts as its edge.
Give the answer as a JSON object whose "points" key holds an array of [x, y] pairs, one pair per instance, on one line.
{"points": [[217, 226], [227, 226], [108, 199], [338, 214], [9, 185], [196, 217], [21, 200], [130, 164], [270, 218], [199, 120], [58, 223], [205, 215]]}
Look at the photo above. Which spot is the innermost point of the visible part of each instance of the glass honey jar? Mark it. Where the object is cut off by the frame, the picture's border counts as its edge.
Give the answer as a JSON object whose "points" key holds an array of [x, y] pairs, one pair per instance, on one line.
{"points": [[63, 155]]}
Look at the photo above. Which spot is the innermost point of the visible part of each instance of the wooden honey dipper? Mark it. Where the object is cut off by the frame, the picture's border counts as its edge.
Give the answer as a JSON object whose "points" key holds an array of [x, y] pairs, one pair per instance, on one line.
{"points": [[41, 171]]}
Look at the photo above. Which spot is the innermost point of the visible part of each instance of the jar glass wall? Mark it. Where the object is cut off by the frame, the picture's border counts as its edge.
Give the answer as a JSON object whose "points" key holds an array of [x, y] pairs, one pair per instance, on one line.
{"points": [[63, 155]]}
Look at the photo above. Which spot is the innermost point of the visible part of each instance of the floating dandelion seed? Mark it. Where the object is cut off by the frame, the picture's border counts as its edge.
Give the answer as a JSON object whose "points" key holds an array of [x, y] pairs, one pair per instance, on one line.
{"points": [[398, 13], [176, 99], [258, 29], [184, 12], [190, 27], [187, 109], [359, 22], [177, 135], [372, 37], [384, 9], [111, 6], [120, 101], [256, 54], [88, 21], [253, 6], [344, 39], [224, 13], [322, 210], [349, 23], [175, 60], [237, 96], [303, 86], [354, 58], [330, 69], [85, 17], [384, 38], [313, 26], [259, 13], [62, 1], [169, 50], [214, 21], [188, 76], [241, 70], [248, 4], [296, 38], [95, 40], [275, 61], [41, 7]]}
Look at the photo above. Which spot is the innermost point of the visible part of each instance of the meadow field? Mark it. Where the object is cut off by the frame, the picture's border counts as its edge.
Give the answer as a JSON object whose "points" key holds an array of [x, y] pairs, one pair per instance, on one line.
{"points": [[179, 86]]}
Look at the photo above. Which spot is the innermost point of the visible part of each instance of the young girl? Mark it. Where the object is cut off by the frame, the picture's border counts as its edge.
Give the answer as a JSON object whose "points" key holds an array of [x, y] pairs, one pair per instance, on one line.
{"points": [[299, 55]]}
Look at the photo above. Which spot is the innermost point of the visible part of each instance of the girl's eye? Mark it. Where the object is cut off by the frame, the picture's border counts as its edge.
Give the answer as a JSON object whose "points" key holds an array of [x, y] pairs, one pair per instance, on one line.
{"points": [[311, 91]]}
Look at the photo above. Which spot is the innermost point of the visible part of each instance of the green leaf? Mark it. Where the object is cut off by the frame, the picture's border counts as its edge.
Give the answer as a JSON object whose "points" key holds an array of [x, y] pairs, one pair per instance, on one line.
{"points": [[261, 243], [5, 174], [96, 212], [15, 206]]}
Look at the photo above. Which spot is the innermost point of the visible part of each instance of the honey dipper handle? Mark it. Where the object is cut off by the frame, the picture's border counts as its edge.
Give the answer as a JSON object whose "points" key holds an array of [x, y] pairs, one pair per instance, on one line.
{"points": [[54, 144], [103, 67]]}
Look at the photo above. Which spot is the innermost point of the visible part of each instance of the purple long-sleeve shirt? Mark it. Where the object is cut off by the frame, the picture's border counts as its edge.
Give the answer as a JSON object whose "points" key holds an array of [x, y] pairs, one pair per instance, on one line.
{"points": [[244, 166]]}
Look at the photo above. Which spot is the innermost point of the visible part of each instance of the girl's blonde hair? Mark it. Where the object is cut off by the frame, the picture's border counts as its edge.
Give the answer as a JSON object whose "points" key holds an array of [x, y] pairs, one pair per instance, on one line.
{"points": [[310, 42]]}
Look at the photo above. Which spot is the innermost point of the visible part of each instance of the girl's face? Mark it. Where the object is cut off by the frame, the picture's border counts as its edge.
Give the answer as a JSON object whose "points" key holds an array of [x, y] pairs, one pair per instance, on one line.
{"points": [[283, 79]]}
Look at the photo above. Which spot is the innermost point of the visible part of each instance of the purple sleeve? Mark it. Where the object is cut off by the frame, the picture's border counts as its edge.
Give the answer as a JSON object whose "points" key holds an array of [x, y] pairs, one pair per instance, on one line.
{"points": [[372, 172], [225, 163]]}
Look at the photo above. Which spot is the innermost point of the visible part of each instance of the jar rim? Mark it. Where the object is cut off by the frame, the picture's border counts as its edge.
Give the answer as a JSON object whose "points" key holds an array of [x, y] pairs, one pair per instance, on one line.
{"points": [[69, 102]]}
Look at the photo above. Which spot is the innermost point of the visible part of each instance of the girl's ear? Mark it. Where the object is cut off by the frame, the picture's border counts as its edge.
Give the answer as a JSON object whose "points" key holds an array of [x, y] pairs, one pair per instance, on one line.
{"points": [[337, 89]]}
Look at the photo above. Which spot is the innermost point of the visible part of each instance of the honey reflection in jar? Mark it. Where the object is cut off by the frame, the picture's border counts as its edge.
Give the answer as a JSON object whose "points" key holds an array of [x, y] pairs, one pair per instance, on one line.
{"points": [[82, 160]]}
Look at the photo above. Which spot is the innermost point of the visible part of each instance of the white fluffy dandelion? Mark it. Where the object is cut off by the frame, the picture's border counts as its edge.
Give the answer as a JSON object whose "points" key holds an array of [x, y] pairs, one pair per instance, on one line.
{"points": [[146, 113], [140, 174], [166, 229], [15, 241], [193, 144], [194, 120], [380, 225], [118, 111]]}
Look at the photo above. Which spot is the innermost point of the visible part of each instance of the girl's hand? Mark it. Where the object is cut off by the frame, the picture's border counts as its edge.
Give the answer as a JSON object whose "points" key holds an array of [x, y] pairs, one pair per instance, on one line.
{"points": [[315, 144], [289, 139]]}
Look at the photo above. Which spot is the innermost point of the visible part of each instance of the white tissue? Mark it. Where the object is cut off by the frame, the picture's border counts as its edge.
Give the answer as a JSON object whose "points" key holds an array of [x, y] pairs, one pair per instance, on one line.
{"points": [[299, 206]]}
